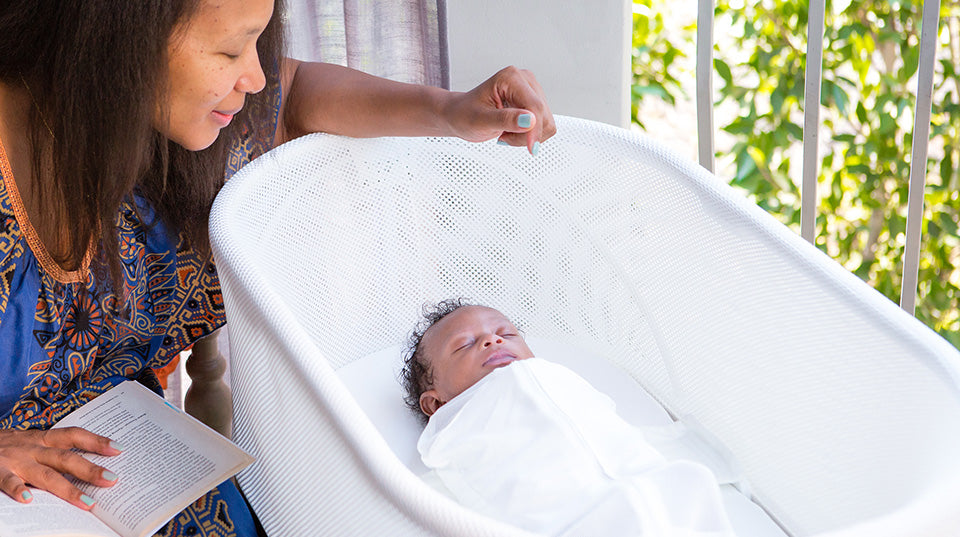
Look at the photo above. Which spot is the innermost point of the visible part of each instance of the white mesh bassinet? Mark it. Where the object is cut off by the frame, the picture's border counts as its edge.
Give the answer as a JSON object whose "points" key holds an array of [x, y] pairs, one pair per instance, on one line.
{"points": [[842, 412]]}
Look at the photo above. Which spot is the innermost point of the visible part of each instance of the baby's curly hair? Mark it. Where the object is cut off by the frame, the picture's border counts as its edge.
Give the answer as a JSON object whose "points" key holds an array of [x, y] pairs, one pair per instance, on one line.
{"points": [[417, 374]]}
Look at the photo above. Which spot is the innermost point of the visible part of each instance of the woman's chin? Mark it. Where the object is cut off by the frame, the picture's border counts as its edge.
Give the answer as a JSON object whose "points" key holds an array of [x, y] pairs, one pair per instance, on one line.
{"points": [[196, 141]]}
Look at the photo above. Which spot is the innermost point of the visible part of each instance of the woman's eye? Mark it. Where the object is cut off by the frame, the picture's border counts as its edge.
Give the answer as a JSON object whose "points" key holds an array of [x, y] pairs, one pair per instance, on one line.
{"points": [[231, 56]]}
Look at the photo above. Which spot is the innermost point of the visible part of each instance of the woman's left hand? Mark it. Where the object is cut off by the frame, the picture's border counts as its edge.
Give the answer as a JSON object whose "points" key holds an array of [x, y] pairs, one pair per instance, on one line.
{"points": [[510, 106]]}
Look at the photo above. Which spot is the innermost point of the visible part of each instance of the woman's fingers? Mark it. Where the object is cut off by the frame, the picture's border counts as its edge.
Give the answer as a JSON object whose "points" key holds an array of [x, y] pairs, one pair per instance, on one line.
{"points": [[41, 458], [13, 486], [75, 437], [519, 88], [46, 478], [70, 462], [509, 106], [548, 126]]}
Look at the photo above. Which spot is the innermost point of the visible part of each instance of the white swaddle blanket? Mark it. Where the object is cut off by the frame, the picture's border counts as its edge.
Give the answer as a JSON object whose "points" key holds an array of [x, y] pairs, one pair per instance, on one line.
{"points": [[533, 444]]}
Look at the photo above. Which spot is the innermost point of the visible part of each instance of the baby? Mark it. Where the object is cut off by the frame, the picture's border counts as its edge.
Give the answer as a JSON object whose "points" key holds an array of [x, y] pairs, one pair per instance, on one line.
{"points": [[445, 356], [531, 443]]}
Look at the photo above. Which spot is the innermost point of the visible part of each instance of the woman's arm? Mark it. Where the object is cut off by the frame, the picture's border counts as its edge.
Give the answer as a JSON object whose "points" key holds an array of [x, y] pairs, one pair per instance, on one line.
{"points": [[321, 97]]}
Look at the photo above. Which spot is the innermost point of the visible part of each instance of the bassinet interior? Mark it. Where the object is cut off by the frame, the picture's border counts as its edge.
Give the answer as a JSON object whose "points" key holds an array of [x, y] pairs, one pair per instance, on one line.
{"points": [[841, 410]]}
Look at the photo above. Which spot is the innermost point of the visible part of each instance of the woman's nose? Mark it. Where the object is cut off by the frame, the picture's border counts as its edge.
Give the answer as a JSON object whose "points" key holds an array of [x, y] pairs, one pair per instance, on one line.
{"points": [[252, 80]]}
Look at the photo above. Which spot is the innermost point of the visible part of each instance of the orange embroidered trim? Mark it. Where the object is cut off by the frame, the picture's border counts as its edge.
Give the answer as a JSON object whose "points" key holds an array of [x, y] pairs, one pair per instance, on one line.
{"points": [[33, 238]]}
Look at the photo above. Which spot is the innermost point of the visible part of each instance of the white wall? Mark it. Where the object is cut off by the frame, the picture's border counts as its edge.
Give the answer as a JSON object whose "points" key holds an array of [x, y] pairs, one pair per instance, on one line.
{"points": [[579, 50]]}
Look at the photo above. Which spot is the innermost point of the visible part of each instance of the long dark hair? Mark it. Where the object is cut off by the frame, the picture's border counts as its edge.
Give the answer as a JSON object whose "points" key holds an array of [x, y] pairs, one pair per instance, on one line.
{"points": [[96, 69]]}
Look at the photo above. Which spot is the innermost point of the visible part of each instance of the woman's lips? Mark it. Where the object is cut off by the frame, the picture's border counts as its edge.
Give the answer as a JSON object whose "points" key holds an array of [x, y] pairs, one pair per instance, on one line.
{"points": [[499, 359], [223, 118]]}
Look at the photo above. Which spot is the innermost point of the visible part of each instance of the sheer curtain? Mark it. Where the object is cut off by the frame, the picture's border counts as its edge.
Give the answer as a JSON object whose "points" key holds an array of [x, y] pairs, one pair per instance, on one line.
{"points": [[402, 40]]}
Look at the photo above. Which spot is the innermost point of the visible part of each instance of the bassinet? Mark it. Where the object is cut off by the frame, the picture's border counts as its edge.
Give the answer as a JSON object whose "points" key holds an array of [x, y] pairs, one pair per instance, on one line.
{"points": [[842, 411]]}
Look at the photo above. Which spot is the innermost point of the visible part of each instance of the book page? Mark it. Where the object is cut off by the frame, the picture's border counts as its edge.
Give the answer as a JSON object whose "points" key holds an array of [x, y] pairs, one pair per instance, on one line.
{"points": [[169, 460], [48, 516]]}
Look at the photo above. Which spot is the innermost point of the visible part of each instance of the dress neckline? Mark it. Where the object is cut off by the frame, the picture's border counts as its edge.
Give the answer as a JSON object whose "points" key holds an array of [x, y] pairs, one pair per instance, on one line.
{"points": [[44, 258]]}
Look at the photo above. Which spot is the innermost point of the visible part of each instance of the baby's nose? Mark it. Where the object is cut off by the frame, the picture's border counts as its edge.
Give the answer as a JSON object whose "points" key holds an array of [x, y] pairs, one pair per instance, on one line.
{"points": [[491, 340]]}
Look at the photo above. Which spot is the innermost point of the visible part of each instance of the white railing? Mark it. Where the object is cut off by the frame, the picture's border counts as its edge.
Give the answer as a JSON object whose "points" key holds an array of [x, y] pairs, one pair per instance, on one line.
{"points": [[918, 157], [811, 125], [705, 148], [811, 120]]}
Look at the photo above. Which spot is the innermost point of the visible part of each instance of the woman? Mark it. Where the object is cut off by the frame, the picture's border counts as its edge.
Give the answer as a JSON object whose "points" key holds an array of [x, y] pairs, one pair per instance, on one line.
{"points": [[118, 121]]}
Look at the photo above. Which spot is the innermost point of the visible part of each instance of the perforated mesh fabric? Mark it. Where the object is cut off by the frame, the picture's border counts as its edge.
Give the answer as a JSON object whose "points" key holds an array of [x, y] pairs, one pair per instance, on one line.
{"points": [[838, 407]]}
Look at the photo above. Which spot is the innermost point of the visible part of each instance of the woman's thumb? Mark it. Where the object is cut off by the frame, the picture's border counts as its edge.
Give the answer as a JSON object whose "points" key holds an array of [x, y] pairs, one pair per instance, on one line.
{"points": [[517, 120]]}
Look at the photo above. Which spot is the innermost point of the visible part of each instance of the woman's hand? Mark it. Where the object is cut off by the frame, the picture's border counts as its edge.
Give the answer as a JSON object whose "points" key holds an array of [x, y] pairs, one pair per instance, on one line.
{"points": [[40, 458], [510, 106]]}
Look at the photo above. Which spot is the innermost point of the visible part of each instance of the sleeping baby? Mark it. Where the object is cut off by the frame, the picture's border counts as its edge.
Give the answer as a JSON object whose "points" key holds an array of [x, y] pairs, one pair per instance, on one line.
{"points": [[531, 443]]}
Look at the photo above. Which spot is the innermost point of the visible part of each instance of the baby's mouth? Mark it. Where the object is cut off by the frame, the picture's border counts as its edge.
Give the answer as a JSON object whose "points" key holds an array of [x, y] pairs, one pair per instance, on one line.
{"points": [[499, 359]]}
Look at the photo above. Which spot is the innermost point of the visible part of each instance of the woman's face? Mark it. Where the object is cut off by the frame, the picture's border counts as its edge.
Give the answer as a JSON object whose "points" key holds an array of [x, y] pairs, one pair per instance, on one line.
{"points": [[213, 65]]}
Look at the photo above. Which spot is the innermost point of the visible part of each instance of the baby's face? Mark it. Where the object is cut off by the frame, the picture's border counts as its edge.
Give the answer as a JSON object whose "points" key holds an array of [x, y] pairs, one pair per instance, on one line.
{"points": [[466, 346]]}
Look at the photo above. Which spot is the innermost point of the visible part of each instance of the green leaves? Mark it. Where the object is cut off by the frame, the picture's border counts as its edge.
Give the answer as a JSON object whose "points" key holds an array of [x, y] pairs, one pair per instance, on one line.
{"points": [[911, 61], [653, 56], [723, 70], [870, 63]]}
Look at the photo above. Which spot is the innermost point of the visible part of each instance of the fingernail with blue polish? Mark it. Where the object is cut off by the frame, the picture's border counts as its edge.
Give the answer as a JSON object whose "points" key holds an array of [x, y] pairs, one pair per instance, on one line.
{"points": [[109, 476], [26, 496], [87, 500], [536, 148], [524, 121], [501, 142], [116, 445]]}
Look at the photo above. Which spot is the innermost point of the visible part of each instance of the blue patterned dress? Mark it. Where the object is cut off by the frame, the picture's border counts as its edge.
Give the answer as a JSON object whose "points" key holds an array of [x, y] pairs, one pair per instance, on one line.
{"points": [[64, 342]]}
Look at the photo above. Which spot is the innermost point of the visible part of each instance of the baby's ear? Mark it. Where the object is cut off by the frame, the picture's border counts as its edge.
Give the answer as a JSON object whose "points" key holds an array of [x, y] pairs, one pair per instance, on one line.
{"points": [[430, 402]]}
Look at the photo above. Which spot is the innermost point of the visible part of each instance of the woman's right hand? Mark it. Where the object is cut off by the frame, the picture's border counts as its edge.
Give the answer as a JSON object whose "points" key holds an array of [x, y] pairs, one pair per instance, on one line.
{"points": [[40, 458]]}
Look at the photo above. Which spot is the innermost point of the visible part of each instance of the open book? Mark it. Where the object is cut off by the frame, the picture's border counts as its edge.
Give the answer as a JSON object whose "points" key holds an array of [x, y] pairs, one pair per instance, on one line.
{"points": [[169, 460]]}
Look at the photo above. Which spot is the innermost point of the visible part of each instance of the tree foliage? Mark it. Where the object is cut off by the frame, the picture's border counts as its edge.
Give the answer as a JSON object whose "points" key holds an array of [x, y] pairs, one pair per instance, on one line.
{"points": [[655, 66], [871, 56]]}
